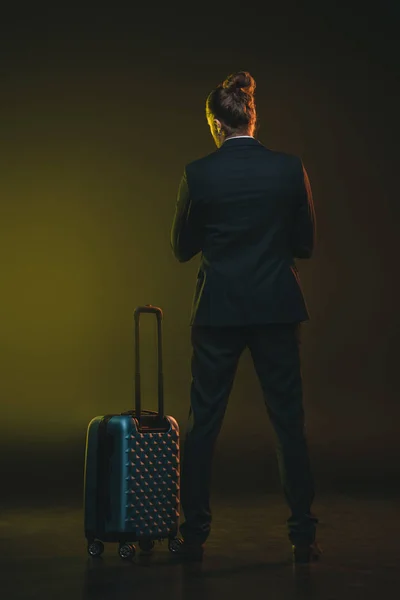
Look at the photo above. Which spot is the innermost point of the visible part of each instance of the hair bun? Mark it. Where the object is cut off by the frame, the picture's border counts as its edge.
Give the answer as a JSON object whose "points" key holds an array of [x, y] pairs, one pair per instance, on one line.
{"points": [[242, 80]]}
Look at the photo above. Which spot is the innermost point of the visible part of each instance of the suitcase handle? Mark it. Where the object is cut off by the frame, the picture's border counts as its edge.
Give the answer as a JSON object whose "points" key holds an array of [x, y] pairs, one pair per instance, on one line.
{"points": [[138, 400]]}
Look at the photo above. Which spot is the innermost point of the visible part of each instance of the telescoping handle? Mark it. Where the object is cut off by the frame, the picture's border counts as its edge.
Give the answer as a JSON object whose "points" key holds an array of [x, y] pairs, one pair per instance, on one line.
{"points": [[138, 400]]}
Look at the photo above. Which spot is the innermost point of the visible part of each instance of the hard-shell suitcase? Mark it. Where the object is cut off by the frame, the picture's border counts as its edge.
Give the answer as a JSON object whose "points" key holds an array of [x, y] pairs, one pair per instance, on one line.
{"points": [[132, 478]]}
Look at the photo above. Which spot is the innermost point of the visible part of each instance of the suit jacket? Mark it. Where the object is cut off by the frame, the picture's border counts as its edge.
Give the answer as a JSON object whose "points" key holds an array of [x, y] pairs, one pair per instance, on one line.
{"points": [[249, 211]]}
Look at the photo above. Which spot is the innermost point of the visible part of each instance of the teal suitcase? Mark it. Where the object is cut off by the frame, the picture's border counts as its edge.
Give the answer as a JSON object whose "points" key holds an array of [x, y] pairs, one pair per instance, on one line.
{"points": [[132, 476]]}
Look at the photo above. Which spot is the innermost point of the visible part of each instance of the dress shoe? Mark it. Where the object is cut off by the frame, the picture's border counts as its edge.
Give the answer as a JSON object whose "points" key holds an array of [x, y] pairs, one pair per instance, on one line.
{"points": [[185, 550], [306, 553]]}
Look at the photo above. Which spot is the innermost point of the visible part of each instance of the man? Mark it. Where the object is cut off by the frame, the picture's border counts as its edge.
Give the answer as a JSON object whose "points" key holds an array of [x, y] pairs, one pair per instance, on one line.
{"points": [[249, 211]]}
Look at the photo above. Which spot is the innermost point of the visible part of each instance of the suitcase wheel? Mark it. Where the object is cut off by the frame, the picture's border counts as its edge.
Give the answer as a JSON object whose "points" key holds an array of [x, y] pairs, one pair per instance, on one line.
{"points": [[127, 551], [146, 546], [174, 545], [95, 548]]}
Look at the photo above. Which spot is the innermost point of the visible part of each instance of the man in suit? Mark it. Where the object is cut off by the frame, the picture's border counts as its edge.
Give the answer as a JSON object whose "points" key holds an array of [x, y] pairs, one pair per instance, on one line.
{"points": [[249, 211]]}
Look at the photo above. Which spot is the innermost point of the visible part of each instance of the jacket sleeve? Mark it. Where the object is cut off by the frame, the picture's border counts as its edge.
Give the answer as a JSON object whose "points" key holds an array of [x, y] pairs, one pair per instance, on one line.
{"points": [[304, 228], [186, 229]]}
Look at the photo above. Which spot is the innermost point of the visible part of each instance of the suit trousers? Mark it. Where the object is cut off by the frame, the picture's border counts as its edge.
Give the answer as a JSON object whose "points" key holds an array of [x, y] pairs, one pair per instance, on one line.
{"points": [[275, 351]]}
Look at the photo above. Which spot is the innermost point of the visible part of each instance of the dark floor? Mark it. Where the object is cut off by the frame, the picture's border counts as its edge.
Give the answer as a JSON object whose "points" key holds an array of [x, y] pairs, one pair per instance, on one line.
{"points": [[43, 554]]}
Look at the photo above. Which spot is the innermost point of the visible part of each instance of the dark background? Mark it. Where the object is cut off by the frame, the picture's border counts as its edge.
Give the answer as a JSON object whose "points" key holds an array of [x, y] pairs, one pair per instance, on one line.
{"points": [[100, 111]]}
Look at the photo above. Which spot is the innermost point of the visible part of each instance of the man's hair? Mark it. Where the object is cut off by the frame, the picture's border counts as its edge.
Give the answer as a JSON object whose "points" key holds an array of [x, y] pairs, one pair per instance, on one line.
{"points": [[232, 102]]}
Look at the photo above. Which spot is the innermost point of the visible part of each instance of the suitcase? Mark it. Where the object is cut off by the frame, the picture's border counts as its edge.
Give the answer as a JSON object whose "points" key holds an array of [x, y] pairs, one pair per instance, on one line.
{"points": [[132, 478]]}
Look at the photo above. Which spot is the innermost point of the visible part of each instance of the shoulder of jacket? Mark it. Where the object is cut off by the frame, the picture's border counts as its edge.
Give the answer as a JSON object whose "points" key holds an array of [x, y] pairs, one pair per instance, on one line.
{"points": [[287, 157], [201, 161]]}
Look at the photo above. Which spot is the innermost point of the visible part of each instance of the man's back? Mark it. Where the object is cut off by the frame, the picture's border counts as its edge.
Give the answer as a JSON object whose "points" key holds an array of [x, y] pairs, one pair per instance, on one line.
{"points": [[249, 212]]}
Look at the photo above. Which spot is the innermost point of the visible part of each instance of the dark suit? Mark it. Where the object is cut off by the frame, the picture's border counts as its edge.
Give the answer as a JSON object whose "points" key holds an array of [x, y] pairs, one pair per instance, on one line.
{"points": [[249, 211]]}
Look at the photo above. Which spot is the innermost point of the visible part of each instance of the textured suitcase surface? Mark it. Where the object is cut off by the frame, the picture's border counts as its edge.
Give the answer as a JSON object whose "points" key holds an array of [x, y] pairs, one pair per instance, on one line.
{"points": [[132, 467], [132, 480]]}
